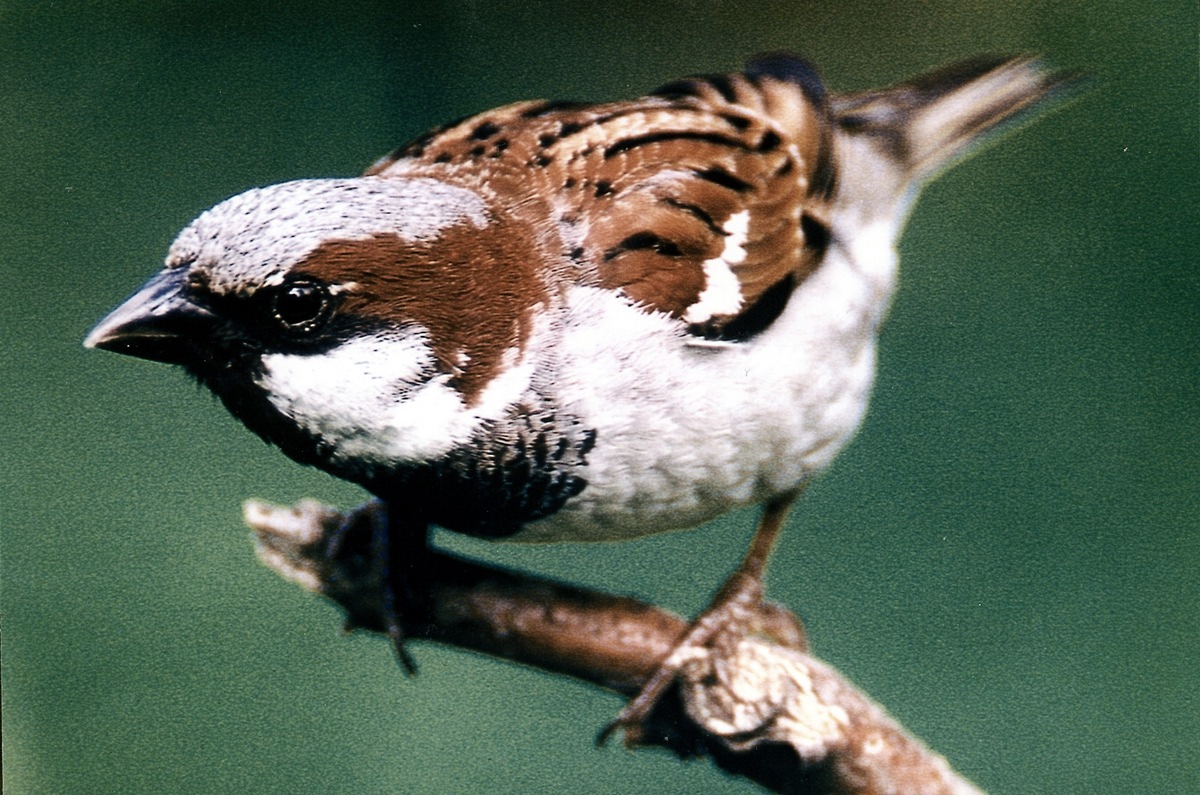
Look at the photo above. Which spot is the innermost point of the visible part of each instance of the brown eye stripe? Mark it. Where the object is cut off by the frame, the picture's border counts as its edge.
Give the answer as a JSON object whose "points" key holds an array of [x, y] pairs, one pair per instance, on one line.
{"points": [[474, 294]]}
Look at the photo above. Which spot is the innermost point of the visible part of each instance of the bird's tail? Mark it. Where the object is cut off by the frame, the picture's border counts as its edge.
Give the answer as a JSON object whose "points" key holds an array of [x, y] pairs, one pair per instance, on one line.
{"points": [[893, 140]]}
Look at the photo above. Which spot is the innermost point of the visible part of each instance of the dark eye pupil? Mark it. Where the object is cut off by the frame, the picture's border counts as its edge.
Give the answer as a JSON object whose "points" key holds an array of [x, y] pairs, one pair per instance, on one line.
{"points": [[300, 306]]}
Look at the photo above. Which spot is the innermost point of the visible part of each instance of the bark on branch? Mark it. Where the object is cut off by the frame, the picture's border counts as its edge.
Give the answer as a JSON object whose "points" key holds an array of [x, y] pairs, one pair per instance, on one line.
{"points": [[759, 706]]}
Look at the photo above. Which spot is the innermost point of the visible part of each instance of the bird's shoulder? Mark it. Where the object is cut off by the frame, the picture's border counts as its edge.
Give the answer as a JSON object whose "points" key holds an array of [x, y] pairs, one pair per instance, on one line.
{"points": [[705, 200]]}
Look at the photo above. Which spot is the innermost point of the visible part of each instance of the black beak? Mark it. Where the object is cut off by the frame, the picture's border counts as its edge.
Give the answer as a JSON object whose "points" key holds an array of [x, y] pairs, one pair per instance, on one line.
{"points": [[158, 322]]}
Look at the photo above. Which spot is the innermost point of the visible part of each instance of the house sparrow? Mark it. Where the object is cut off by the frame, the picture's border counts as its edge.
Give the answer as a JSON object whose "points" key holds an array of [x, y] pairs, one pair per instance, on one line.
{"points": [[566, 322]]}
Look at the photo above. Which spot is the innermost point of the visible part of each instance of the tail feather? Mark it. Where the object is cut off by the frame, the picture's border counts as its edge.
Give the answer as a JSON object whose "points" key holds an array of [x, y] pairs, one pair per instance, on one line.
{"points": [[918, 128], [936, 118]]}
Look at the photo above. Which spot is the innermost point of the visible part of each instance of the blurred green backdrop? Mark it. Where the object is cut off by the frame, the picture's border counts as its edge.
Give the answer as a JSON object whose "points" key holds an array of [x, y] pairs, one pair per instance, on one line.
{"points": [[1007, 557]]}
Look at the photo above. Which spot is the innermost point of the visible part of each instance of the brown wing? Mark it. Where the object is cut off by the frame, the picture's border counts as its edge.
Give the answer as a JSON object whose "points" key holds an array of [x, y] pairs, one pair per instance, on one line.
{"points": [[704, 200]]}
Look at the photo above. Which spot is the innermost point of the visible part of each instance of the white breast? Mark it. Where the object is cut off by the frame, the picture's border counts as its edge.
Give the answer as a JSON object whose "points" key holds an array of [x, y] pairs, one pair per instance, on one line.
{"points": [[686, 432]]}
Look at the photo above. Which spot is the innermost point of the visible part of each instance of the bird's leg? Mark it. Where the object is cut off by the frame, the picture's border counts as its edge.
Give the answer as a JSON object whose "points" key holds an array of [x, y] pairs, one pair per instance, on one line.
{"points": [[736, 607], [404, 544], [387, 544], [391, 549]]}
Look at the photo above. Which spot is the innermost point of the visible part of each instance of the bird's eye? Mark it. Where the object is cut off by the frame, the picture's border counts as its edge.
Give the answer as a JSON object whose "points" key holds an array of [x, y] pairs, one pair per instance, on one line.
{"points": [[301, 305]]}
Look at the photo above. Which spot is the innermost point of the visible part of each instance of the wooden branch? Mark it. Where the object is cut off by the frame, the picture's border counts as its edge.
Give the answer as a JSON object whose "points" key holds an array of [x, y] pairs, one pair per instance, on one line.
{"points": [[759, 707]]}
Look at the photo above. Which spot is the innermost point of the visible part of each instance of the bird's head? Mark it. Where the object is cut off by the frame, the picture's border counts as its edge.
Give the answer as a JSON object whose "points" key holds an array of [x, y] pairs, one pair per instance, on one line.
{"points": [[360, 324]]}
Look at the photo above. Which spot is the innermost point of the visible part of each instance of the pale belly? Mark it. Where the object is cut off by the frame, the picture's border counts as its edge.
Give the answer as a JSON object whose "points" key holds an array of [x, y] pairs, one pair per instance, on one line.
{"points": [[685, 433]]}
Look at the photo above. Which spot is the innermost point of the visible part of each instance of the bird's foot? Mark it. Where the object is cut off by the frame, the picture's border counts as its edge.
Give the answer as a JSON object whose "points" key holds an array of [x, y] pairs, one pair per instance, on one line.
{"points": [[353, 558], [737, 611], [364, 537]]}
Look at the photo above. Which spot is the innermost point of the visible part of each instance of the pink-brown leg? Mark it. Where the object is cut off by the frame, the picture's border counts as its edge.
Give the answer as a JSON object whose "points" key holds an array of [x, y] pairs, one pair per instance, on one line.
{"points": [[736, 607]]}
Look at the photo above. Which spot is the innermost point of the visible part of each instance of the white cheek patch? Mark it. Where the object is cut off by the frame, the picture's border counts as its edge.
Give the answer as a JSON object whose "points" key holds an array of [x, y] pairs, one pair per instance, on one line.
{"points": [[372, 399], [722, 293], [379, 400]]}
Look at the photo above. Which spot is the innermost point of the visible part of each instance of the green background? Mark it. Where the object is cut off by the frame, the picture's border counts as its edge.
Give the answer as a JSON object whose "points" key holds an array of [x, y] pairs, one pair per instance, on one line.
{"points": [[1007, 558]]}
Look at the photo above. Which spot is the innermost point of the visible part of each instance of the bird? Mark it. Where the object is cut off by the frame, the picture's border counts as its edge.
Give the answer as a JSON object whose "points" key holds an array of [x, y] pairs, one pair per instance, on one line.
{"points": [[556, 321]]}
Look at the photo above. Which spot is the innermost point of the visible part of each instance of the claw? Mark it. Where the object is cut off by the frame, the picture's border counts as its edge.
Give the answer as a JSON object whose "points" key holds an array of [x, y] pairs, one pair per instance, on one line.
{"points": [[381, 550], [365, 534], [396, 634], [737, 608]]}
